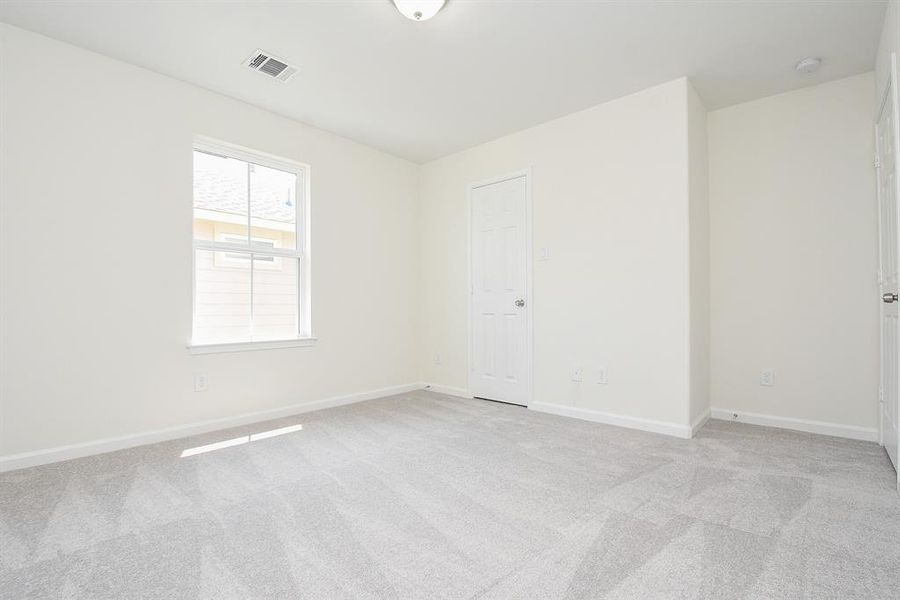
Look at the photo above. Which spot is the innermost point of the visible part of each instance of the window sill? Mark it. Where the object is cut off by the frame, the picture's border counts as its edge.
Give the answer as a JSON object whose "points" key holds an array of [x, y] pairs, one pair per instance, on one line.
{"points": [[249, 346]]}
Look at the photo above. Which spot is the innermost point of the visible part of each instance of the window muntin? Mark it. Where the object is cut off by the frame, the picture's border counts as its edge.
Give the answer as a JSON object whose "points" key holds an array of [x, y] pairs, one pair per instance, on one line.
{"points": [[250, 259]]}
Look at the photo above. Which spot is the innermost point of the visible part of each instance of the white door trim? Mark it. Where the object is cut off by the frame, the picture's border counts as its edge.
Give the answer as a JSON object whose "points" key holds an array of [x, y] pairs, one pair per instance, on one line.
{"points": [[529, 295], [886, 97]]}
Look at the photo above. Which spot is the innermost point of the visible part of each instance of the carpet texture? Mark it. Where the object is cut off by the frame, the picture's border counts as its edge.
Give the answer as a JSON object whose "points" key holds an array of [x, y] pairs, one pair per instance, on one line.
{"points": [[426, 496]]}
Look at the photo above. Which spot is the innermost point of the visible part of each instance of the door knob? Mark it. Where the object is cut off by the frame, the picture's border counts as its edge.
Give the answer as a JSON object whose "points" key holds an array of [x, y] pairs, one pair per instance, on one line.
{"points": [[520, 303], [889, 298]]}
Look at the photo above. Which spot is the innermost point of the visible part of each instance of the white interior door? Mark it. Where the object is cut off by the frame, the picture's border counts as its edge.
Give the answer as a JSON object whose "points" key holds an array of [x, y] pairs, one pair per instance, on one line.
{"points": [[889, 222], [500, 367]]}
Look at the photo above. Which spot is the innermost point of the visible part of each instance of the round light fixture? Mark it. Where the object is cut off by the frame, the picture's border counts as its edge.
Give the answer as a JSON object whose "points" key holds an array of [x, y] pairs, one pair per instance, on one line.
{"points": [[808, 65], [419, 10]]}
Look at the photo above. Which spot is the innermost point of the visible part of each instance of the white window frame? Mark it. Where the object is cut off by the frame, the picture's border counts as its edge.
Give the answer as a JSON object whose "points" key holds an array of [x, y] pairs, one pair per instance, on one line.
{"points": [[304, 335]]}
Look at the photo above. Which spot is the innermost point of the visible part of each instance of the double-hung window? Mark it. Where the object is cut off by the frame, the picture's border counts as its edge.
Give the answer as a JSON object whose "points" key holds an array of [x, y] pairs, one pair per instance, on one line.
{"points": [[251, 258]]}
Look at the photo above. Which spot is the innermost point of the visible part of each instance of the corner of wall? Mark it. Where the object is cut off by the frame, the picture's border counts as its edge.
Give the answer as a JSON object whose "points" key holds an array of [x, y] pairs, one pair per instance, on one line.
{"points": [[698, 260], [419, 316]]}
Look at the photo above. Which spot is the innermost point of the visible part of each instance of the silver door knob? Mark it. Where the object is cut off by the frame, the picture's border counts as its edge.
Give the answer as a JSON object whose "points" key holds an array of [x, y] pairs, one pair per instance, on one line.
{"points": [[520, 303], [889, 298]]}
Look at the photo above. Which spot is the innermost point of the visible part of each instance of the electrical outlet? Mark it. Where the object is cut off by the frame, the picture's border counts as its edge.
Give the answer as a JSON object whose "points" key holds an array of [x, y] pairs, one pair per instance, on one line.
{"points": [[437, 358], [577, 374], [602, 376], [201, 383], [544, 253], [767, 377]]}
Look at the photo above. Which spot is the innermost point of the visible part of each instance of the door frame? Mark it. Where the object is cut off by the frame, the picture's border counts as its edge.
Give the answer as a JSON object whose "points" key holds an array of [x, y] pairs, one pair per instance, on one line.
{"points": [[888, 95], [529, 296]]}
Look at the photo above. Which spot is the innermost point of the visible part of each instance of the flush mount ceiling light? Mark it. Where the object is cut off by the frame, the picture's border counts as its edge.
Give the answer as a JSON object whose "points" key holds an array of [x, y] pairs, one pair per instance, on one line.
{"points": [[419, 10], [808, 65]]}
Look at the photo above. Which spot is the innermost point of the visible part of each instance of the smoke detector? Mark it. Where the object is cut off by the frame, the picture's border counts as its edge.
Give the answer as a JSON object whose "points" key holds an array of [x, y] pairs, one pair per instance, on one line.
{"points": [[268, 64], [808, 65]]}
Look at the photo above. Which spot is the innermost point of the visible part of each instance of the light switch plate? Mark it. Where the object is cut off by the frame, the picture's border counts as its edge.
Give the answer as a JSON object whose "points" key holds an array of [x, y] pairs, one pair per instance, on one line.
{"points": [[201, 383]]}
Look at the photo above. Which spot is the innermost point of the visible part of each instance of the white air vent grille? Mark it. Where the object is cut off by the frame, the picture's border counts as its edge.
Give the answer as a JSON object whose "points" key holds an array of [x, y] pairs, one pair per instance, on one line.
{"points": [[265, 63]]}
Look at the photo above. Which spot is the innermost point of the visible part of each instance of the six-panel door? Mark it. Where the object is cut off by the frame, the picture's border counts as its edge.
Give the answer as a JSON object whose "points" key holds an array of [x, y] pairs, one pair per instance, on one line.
{"points": [[499, 305]]}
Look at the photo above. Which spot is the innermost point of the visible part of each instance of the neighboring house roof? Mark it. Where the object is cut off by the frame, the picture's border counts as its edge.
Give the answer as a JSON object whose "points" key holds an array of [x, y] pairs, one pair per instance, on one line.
{"points": [[223, 191]]}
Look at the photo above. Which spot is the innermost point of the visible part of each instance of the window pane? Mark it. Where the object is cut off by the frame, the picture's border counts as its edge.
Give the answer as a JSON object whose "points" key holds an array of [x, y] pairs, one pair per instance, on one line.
{"points": [[220, 198], [221, 297], [273, 205], [275, 298]]}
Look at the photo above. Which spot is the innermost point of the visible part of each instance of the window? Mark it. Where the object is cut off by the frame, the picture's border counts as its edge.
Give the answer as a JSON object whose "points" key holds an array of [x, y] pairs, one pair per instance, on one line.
{"points": [[251, 259]]}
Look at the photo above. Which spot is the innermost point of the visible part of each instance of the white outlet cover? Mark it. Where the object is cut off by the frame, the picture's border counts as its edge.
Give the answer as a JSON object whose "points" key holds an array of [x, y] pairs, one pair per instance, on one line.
{"points": [[544, 253], [577, 374], [602, 377], [767, 377]]}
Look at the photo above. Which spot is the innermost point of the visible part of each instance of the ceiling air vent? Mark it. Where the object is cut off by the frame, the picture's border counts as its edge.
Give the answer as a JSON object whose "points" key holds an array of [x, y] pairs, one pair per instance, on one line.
{"points": [[265, 63]]}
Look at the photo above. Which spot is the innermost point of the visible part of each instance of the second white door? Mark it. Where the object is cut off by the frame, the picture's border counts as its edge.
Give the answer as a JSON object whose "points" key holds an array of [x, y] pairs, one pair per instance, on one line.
{"points": [[889, 222], [500, 309]]}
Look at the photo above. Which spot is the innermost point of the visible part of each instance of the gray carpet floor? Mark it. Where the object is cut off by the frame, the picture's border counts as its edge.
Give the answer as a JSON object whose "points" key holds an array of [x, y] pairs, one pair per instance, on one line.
{"points": [[426, 496]]}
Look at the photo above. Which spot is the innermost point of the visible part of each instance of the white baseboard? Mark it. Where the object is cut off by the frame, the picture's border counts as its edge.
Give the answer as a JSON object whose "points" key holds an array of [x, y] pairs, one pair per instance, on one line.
{"points": [[447, 389], [60, 453], [700, 421], [853, 432], [663, 427]]}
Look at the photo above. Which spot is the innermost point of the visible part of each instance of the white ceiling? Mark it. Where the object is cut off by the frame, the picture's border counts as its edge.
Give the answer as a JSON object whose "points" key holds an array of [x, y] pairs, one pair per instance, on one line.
{"points": [[479, 69]]}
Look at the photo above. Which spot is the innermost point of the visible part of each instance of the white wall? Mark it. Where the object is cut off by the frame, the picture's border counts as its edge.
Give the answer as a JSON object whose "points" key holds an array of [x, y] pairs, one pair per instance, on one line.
{"points": [[96, 254], [793, 247], [95, 268], [611, 203], [698, 190]]}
